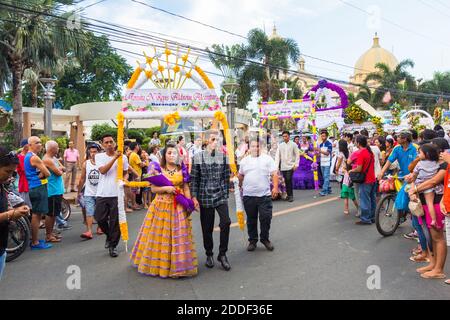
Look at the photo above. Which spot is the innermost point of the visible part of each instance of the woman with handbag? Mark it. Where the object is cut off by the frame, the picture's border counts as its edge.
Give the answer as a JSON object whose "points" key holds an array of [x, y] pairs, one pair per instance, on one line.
{"points": [[437, 244], [341, 171], [364, 174]]}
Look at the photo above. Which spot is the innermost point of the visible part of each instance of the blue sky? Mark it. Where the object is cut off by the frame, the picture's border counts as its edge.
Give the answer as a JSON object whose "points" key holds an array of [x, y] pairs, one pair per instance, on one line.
{"points": [[327, 29]]}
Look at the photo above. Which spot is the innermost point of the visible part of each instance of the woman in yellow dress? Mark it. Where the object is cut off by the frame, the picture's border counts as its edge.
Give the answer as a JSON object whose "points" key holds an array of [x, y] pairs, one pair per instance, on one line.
{"points": [[165, 247]]}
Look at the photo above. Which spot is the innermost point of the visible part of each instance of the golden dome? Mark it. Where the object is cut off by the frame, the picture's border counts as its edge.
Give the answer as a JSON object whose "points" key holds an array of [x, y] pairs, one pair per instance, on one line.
{"points": [[376, 54]]}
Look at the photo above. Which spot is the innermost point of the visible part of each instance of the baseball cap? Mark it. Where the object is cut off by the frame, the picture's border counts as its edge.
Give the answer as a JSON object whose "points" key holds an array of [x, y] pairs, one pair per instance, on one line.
{"points": [[23, 143]]}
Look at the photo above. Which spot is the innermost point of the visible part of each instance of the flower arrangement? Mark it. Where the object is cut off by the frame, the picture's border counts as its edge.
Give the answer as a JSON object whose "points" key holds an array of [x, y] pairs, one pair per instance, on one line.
{"points": [[379, 125], [396, 110], [354, 114], [437, 116]]}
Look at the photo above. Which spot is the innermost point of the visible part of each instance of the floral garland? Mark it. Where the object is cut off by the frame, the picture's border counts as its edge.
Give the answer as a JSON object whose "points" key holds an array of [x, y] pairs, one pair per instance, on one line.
{"points": [[324, 84]]}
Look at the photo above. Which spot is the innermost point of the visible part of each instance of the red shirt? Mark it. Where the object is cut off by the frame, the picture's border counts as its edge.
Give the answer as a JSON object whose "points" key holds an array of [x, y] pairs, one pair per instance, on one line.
{"points": [[23, 182], [354, 157], [367, 161]]}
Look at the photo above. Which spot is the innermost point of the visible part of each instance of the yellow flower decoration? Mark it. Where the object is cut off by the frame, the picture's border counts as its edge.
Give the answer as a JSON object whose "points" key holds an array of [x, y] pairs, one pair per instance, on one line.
{"points": [[149, 73], [189, 75], [161, 68], [172, 118], [124, 231], [241, 221], [168, 52], [220, 116], [176, 69], [185, 58], [273, 118]]}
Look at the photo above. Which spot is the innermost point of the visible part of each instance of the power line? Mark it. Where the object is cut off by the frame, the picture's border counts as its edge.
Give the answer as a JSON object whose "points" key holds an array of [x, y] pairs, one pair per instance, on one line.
{"points": [[434, 8], [294, 72], [189, 19], [395, 24]]}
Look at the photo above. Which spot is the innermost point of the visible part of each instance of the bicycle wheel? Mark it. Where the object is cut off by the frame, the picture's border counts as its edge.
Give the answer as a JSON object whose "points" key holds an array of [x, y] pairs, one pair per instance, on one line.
{"points": [[66, 211], [18, 238], [387, 218]]}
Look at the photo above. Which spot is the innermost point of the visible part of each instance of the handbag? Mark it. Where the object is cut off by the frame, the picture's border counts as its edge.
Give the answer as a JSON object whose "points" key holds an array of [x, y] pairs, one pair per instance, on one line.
{"points": [[359, 177], [416, 208]]}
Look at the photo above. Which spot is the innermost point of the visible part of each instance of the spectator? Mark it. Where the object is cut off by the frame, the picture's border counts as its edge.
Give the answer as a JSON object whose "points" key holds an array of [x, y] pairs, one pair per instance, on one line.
{"points": [[90, 177], [72, 163], [347, 191], [155, 140], [153, 154], [106, 209], [287, 159], [136, 165], [325, 149], [23, 182], [37, 174], [438, 246], [182, 150], [255, 172], [55, 188], [8, 164], [367, 190]]}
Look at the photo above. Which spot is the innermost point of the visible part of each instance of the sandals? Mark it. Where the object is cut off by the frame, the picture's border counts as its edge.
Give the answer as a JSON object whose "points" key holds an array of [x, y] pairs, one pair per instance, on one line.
{"points": [[52, 239], [447, 282], [419, 259], [347, 213], [438, 276]]}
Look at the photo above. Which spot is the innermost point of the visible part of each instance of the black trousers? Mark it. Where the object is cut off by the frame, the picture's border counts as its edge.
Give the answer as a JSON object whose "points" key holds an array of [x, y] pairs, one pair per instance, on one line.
{"points": [[107, 217], [207, 216], [287, 175], [262, 207]]}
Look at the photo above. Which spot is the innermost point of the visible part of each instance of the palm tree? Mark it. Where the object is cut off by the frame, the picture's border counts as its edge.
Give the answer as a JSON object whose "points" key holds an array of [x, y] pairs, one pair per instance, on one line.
{"points": [[440, 86], [394, 80], [274, 53], [32, 39]]}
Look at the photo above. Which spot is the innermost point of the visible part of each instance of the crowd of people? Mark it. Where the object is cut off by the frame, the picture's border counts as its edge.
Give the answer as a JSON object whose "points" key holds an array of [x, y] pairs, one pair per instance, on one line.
{"points": [[268, 170]]}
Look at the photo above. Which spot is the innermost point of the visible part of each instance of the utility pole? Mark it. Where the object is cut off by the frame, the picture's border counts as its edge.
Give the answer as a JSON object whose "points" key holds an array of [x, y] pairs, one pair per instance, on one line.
{"points": [[48, 85]]}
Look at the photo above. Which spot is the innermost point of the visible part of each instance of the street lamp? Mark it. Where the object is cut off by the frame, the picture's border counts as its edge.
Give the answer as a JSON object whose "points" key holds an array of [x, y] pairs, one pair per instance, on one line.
{"points": [[230, 87], [48, 85]]}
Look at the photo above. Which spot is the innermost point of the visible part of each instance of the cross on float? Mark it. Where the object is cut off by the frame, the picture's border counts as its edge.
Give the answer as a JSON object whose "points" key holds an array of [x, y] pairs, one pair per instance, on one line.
{"points": [[285, 91]]}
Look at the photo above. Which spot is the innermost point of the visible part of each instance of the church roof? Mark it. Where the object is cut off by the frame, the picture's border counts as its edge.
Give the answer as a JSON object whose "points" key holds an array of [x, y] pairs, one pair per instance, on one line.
{"points": [[366, 63]]}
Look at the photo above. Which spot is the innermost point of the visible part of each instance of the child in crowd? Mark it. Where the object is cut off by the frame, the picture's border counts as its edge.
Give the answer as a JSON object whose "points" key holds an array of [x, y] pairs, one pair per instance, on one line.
{"points": [[426, 169]]}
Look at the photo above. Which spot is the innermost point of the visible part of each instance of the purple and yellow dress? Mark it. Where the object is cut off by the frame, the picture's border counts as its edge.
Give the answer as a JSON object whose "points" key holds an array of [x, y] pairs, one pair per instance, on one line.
{"points": [[165, 247], [303, 178]]}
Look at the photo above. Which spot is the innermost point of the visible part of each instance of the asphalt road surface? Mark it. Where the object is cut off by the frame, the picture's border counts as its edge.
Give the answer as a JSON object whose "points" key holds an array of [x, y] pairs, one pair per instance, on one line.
{"points": [[319, 254]]}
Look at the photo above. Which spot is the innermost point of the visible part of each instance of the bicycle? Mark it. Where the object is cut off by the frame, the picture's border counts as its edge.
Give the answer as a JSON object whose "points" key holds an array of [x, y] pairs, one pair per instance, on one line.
{"points": [[66, 210], [387, 217]]}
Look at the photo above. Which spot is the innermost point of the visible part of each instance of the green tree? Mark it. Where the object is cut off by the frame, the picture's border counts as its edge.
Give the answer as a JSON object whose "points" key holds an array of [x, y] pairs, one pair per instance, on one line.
{"points": [[439, 85], [273, 53], [100, 77], [394, 80], [28, 38], [231, 61], [98, 130]]}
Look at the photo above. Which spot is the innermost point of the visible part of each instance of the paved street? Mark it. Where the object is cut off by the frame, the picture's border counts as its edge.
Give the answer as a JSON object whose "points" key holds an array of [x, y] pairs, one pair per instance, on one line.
{"points": [[319, 254]]}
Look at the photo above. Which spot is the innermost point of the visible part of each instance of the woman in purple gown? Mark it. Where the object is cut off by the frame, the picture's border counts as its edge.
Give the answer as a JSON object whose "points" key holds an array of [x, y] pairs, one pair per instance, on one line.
{"points": [[303, 178]]}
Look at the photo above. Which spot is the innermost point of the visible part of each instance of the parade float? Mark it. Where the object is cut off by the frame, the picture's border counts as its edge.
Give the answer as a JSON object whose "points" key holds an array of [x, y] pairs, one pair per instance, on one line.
{"points": [[317, 110], [169, 72]]}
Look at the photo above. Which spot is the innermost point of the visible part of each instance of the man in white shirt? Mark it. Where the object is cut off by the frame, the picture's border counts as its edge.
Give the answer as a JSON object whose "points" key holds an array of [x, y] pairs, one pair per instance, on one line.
{"points": [[287, 159], [255, 172], [106, 209]]}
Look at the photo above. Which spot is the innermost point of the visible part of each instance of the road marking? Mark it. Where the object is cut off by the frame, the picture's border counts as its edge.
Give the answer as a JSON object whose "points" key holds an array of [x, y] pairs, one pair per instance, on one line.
{"points": [[287, 211]]}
